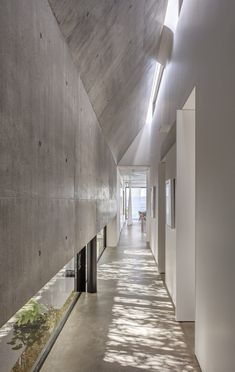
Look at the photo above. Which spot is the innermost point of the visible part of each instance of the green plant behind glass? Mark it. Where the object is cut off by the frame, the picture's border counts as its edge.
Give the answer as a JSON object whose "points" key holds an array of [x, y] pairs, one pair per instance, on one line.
{"points": [[31, 313], [29, 325]]}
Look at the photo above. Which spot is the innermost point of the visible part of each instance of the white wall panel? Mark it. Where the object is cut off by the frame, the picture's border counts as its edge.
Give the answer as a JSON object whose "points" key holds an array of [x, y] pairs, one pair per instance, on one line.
{"points": [[204, 56], [185, 216], [170, 243]]}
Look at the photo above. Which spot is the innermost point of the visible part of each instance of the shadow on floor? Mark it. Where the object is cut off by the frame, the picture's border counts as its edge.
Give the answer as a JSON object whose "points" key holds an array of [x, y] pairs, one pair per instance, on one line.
{"points": [[143, 333], [129, 324]]}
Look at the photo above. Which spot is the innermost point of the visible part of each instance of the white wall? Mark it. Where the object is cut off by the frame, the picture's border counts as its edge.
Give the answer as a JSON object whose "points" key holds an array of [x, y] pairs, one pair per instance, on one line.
{"points": [[148, 207], [153, 236], [153, 239], [161, 218], [185, 216], [204, 56], [170, 243], [156, 139], [121, 201], [157, 230], [175, 251]]}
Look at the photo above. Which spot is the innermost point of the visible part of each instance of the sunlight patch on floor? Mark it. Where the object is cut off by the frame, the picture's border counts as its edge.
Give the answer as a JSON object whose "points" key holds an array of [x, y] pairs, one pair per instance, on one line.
{"points": [[143, 333]]}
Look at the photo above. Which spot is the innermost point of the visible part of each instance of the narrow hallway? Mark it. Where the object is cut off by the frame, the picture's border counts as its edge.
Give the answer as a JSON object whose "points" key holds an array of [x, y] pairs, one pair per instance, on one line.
{"points": [[129, 324]]}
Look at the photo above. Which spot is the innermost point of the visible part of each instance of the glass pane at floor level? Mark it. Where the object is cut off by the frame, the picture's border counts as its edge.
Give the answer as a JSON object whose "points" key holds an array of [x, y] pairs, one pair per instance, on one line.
{"points": [[100, 243], [24, 336]]}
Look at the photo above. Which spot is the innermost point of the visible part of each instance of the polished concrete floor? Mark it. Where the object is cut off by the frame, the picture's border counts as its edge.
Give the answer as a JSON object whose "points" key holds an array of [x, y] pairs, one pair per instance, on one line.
{"points": [[129, 324]]}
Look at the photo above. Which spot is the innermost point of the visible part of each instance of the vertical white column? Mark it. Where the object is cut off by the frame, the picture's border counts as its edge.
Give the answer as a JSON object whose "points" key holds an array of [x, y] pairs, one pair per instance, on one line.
{"points": [[161, 218], [185, 216], [129, 221], [148, 207]]}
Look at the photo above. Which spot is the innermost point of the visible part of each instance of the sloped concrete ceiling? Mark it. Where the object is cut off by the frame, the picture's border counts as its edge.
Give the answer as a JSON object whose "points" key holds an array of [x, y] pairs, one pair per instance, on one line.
{"points": [[113, 44]]}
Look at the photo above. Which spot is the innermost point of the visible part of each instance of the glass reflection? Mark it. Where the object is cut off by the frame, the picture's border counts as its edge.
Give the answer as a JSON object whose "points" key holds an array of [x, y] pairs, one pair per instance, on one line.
{"points": [[24, 336], [100, 243]]}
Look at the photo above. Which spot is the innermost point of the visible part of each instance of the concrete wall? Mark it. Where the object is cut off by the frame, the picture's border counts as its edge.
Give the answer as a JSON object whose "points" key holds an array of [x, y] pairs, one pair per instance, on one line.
{"points": [[204, 56], [113, 44], [57, 175], [170, 240], [116, 224]]}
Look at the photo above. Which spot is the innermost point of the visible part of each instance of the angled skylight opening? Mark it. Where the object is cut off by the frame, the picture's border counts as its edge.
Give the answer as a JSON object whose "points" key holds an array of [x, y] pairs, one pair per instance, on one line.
{"points": [[171, 19], [172, 14], [154, 92]]}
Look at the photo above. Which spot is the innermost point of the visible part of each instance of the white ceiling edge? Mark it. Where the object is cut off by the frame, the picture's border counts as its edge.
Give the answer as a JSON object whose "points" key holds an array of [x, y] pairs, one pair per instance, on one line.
{"points": [[190, 104]]}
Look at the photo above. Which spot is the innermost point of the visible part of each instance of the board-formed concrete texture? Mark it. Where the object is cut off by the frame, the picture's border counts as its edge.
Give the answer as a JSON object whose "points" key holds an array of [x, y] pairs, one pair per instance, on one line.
{"points": [[114, 44], [57, 174]]}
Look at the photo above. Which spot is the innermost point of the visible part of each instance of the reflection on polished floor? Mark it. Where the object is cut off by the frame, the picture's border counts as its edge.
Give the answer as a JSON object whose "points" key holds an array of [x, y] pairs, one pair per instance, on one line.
{"points": [[129, 324]]}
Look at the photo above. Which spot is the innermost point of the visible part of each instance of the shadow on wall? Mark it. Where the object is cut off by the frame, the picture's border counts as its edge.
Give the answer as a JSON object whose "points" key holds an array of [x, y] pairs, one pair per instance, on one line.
{"points": [[143, 333]]}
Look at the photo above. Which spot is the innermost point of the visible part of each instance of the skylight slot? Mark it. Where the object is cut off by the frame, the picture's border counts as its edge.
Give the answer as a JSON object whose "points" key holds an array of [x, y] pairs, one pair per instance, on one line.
{"points": [[171, 19], [154, 92]]}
